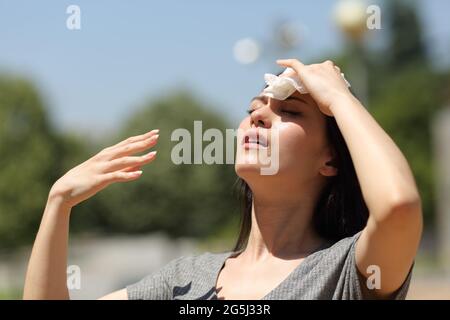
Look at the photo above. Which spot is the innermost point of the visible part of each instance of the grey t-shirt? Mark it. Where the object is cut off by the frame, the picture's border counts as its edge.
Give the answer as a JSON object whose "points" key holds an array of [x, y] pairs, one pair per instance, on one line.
{"points": [[328, 273]]}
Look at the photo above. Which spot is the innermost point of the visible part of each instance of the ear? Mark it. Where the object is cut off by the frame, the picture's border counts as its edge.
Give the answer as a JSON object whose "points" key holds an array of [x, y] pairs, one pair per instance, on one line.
{"points": [[329, 168]]}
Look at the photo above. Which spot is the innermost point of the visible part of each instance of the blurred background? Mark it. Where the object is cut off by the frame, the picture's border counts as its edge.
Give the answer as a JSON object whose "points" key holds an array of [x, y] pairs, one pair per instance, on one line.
{"points": [[67, 92]]}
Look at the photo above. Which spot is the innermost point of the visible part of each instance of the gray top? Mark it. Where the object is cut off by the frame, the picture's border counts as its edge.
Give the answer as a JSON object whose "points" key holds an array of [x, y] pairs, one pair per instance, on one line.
{"points": [[328, 273]]}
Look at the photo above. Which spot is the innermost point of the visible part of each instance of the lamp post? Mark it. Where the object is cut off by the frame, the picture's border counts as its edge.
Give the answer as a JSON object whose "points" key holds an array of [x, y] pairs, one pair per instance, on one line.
{"points": [[351, 18]]}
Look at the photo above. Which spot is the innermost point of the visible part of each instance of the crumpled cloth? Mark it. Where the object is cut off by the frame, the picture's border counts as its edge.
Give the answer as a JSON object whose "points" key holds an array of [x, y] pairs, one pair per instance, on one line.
{"points": [[281, 88]]}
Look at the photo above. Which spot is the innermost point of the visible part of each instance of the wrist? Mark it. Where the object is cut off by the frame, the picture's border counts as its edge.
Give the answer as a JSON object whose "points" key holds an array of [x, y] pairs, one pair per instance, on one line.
{"points": [[58, 200], [342, 102]]}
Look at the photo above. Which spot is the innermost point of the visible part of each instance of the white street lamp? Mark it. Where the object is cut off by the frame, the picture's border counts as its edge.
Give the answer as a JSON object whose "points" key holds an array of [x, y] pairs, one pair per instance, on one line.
{"points": [[350, 16]]}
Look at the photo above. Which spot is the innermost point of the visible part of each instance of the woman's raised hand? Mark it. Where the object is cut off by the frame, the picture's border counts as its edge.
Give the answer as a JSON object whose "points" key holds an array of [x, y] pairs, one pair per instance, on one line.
{"points": [[112, 164], [323, 82]]}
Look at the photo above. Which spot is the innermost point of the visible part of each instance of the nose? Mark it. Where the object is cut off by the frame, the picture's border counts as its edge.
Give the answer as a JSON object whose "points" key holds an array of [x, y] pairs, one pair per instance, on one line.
{"points": [[261, 117]]}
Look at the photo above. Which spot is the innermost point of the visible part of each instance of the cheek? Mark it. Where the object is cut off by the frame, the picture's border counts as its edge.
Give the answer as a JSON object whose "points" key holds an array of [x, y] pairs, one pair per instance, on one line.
{"points": [[295, 147], [292, 139], [245, 124]]}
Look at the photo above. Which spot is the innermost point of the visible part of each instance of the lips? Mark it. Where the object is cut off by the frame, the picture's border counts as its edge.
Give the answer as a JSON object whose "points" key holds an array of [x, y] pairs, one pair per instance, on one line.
{"points": [[255, 137]]}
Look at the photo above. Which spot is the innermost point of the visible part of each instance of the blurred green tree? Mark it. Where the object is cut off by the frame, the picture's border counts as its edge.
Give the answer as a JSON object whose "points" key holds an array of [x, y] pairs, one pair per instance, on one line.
{"points": [[409, 101], [407, 44], [182, 200], [405, 93], [27, 160], [33, 155]]}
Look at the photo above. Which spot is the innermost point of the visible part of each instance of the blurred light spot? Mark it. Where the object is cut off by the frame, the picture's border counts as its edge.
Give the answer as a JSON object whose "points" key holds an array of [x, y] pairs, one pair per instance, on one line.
{"points": [[287, 34], [350, 15], [246, 51]]}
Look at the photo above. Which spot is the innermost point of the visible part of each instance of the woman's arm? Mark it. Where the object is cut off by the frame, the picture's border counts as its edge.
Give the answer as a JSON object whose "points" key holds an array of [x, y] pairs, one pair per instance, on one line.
{"points": [[392, 235], [385, 177], [46, 276]]}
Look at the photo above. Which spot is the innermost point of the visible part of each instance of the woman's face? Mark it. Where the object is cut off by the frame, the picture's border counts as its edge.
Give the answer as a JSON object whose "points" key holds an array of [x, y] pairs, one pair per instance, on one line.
{"points": [[302, 145]]}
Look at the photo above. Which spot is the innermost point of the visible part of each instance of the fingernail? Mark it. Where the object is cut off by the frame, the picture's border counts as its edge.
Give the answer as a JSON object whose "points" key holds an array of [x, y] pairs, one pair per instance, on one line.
{"points": [[156, 130], [137, 173], [151, 154]]}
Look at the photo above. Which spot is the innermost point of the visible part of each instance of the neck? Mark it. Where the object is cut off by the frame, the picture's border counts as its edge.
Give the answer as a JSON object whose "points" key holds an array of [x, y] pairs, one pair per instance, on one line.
{"points": [[282, 225]]}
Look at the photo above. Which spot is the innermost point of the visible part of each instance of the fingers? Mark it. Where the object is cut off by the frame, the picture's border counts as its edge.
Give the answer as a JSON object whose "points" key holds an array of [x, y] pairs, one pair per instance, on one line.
{"points": [[131, 148], [120, 176], [292, 63], [129, 162], [116, 163], [329, 63], [297, 65], [134, 139], [131, 169]]}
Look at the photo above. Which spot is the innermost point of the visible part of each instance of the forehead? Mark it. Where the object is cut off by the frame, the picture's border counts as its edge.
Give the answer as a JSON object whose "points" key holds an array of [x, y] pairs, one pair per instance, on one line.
{"points": [[296, 96]]}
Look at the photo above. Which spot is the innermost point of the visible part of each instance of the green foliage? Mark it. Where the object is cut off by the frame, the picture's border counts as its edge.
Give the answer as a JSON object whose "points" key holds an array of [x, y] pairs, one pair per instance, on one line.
{"points": [[32, 157], [27, 160], [11, 294], [182, 200], [406, 107], [198, 200], [406, 38], [405, 94]]}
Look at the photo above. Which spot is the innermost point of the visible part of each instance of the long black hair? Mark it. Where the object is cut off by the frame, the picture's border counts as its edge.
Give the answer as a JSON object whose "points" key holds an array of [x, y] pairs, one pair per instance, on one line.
{"points": [[340, 210]]}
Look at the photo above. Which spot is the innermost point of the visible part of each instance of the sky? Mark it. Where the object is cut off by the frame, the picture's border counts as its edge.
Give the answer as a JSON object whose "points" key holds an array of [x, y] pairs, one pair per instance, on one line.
{"points": [[128, 52]]}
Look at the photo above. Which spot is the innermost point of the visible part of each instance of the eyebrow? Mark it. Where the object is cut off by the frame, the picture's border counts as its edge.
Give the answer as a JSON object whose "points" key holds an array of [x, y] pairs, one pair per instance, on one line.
{"points": [[297, 98], [259, 98], [263, 99]]}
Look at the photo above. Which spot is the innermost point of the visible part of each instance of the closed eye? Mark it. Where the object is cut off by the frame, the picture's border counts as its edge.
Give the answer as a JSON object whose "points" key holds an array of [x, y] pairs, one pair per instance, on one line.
{"points": [[291, 113], [288, 112]]}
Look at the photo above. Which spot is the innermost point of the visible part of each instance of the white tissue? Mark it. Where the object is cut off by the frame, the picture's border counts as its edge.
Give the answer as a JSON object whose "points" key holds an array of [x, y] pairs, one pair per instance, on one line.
{"points": [[281, 88]]}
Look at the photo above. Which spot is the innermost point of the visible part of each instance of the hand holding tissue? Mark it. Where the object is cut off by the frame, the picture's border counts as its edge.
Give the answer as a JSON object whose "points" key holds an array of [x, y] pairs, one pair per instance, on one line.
{"points": [[282, 86]]}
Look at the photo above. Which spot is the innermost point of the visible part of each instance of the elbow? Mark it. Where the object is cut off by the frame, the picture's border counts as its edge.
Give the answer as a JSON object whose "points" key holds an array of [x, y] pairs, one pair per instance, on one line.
{"points": [[405, 214], [410, 204], [402, 211]]}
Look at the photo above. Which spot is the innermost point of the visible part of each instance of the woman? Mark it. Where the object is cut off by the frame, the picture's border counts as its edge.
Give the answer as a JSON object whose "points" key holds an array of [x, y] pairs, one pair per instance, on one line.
{"points": [[337, 221]]}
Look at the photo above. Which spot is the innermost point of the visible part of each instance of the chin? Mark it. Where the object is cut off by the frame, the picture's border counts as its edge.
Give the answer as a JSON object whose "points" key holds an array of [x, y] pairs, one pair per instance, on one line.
{"points": [[245, 169], [252, 172], [247, 163]]}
